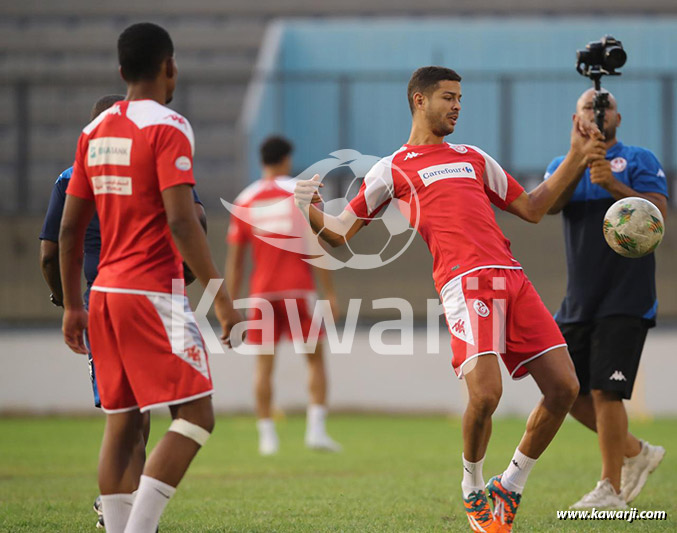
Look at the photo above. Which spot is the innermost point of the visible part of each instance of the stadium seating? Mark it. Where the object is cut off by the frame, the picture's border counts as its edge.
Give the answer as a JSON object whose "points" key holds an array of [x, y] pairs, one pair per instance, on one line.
{"points": [[65, 54]]}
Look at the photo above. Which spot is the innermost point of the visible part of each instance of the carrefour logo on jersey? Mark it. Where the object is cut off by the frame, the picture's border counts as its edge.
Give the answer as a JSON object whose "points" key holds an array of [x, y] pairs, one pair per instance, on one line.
{"points": [[109, 151], [448, 170]]}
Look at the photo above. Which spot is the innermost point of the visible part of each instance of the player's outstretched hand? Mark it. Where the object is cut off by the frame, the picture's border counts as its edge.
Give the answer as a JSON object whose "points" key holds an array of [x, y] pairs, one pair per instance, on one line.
{"points": [[228, 316], [587, 141], [306, 192], [74, 324]]}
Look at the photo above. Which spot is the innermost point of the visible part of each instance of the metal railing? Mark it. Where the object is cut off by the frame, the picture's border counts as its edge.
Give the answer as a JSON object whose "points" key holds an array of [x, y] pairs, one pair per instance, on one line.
{"points": [[20, 123]]}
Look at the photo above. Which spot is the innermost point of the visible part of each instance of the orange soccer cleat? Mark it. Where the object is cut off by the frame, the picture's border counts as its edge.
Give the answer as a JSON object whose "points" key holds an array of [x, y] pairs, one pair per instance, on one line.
{"points": [[479, 513], [505, 503]]}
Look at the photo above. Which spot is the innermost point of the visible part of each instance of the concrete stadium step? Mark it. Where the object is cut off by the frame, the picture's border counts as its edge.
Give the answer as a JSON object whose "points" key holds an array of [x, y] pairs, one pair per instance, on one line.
{"points": [[95, 38], [36, 67], [272, 8]]}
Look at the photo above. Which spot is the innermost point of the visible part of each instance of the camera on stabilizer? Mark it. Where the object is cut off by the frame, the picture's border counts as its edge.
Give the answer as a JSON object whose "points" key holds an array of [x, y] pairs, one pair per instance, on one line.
{"points": [[601, 58]]}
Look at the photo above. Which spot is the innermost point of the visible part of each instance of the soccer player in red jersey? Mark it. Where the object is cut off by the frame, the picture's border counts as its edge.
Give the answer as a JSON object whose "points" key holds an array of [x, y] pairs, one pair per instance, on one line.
{"points": [[491, 308], [263, 210], [134, 167]]}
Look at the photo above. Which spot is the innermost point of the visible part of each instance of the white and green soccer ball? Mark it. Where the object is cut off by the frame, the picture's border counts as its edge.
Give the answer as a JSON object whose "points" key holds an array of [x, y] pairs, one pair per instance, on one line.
{"points": [[633, 227]]}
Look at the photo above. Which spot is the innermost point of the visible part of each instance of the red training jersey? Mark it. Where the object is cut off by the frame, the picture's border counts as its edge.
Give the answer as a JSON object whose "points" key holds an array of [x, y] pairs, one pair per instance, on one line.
{"points": [[455, 185], [125, 158], [265, 216]]}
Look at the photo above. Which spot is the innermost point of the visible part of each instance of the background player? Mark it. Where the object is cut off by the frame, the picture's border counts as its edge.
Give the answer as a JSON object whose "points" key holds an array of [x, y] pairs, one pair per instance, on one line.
{"points": [[473, 265], [49, 264], [268, 209], [609, 305], [135, 162]]}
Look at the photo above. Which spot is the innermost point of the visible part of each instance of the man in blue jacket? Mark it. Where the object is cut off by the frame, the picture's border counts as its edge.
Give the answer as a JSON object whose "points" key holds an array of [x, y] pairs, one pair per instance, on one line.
{"points": [[609, 306]]}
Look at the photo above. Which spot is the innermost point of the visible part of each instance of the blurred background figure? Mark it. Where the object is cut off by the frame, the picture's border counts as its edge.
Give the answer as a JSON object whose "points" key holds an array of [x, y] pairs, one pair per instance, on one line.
{"points": [[280, 277]]}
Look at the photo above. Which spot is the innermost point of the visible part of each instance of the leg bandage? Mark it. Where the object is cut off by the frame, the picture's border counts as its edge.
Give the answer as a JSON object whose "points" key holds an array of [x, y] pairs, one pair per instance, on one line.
{"points": [[189, 430]]}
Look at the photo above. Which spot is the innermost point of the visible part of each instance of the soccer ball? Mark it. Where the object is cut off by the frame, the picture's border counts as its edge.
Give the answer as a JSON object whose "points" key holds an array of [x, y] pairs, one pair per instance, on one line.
{"points": [[633, 227]]}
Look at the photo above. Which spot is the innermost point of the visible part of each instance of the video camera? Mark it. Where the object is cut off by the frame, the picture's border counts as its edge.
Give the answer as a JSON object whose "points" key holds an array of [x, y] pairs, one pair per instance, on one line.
{"points": [[600, 58]]}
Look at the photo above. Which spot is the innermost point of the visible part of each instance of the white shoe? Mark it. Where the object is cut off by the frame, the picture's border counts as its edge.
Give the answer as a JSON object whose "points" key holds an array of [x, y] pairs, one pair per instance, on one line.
{"points": [[636, 470], [322, 442], [269, 444], [603, 496]]}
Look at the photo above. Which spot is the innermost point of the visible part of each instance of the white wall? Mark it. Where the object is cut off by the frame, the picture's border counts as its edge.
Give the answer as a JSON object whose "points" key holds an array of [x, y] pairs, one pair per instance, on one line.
{"points": [[38, 374]]}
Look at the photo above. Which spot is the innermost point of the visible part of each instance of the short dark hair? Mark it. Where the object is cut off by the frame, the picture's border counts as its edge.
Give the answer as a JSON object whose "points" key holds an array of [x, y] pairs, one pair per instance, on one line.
{"points": [[104, 103], [274, 149], [425, 79], [142, 48]]}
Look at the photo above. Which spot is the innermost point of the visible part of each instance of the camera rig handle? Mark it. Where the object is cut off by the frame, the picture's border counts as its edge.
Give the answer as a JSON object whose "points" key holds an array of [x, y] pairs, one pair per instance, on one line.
{"points": [[600, 104]]}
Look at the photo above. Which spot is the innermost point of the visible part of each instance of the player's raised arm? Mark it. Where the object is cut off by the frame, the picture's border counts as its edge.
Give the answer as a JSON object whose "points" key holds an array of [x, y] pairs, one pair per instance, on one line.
{"points": [[335, 230], [191, 241], [587, 145]]}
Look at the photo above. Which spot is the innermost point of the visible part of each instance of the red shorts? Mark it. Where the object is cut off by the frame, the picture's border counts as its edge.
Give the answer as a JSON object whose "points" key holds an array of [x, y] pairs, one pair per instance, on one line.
{"points": [[497, 310], [135, 365], [278, 322]]}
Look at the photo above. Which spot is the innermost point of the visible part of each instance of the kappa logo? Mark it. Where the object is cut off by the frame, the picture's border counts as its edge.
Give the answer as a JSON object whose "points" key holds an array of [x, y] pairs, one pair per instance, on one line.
{"points": [[177, 118], [481, 308], [618, 164], [411, 155], [617, 376], [194, 354], [459, 327], [459, 148]]}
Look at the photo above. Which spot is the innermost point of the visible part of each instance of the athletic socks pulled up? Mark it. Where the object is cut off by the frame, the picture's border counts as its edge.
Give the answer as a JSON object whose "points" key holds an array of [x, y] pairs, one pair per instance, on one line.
{"points": [[473, 480], [315, 420], [515, 476], [116, 510], [151, 500]]}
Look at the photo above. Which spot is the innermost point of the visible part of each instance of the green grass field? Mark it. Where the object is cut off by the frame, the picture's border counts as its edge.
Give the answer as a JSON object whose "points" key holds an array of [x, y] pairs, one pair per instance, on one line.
{"points": [[396, 474]]}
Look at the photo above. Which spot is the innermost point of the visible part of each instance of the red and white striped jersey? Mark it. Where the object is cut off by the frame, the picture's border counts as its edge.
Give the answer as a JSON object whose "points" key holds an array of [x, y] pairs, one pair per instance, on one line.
{"points": [[455, 185], [125, 158]]}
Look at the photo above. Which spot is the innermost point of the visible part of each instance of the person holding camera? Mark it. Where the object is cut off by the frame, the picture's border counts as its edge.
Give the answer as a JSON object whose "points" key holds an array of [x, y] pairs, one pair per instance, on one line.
{"points": [[610, 304]]}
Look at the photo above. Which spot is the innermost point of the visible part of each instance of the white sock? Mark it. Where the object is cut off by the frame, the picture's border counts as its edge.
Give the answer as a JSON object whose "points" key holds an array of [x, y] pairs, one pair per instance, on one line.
{"points": [[116, 509], [266, 427], [472, 477], [515, 476], [315, 419], [151, 499]]}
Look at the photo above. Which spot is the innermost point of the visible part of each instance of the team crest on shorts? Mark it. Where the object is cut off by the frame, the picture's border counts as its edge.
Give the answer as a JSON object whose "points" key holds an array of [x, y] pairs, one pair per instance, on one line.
{"points": [[194, 355], [618, 164], [481, 308]]}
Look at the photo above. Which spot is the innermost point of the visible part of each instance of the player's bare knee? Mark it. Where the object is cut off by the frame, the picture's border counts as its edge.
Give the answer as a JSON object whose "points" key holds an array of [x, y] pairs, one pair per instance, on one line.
{"points": [[600, 396], [561, 395], [485, 402]]}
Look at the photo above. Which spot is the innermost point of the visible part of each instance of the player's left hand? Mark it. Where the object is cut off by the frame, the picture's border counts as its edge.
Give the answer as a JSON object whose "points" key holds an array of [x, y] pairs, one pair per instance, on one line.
{"points": [[600, 173], [74, 324], [306, 192]]}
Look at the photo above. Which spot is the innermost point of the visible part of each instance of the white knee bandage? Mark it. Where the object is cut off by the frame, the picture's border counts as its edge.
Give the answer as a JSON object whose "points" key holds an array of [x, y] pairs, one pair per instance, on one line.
{"points": [[189, 430]]}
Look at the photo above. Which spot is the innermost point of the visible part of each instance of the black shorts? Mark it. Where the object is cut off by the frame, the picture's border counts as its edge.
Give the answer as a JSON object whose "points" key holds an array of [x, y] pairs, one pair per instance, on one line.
{"points": [[606, 352]]}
